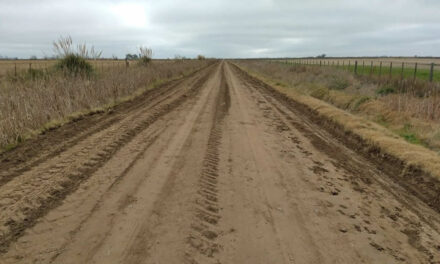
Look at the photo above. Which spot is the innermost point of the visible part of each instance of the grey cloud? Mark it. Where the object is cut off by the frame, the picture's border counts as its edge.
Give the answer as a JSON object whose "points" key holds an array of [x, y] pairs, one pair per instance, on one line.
{"points": [[257, 28]]}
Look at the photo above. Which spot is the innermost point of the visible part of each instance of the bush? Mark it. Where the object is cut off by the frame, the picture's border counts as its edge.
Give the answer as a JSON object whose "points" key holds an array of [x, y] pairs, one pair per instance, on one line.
{"points": [[75, 65], [145, 56], [74, 61]]}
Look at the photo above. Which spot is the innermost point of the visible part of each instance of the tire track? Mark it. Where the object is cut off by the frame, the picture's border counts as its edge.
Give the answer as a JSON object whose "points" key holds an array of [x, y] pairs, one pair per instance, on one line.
{"points": [[202, 240]]}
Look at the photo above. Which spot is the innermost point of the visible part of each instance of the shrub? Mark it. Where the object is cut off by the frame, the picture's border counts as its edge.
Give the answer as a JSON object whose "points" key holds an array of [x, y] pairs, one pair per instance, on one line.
{"points": [[145, 56], [200, 57], [74, 61], [385, 90], [75, 65]]}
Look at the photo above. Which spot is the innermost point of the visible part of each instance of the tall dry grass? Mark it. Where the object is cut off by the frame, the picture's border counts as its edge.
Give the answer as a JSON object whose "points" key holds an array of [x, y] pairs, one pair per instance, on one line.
{"points": [[411, 110], [27, 104]]}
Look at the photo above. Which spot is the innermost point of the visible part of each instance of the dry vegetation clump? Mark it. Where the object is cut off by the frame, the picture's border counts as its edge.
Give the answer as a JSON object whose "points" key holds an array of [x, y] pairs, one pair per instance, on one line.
{"points": [[30, 105], [409, 109]]}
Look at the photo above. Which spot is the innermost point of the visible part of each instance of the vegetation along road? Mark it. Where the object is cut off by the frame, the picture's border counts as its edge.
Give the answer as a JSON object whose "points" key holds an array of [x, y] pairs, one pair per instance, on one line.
{"points": [[216, 167]]}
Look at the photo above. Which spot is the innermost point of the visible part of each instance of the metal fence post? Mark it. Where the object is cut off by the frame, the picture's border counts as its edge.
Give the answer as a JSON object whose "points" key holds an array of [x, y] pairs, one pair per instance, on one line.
{"points": [[431, 72]]}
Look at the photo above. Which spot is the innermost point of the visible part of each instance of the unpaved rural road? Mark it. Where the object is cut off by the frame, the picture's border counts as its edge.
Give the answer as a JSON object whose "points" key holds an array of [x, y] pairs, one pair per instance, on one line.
{"points": [[212, 168]]}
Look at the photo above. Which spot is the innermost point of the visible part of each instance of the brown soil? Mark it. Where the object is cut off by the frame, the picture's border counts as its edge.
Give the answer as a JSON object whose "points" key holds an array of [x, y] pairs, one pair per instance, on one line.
{"points": [[213, 168]]}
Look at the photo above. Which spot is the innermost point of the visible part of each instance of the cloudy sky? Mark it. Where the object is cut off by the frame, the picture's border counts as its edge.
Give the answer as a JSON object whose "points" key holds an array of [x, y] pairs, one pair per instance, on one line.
{"points": [[224, 28]]}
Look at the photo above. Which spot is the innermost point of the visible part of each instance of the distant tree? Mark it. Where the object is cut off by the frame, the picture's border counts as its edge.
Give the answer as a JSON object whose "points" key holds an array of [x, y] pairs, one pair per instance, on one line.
{"points": [[200, 57], [131, 56], [33, 57], [321, 56], [114, 57]]}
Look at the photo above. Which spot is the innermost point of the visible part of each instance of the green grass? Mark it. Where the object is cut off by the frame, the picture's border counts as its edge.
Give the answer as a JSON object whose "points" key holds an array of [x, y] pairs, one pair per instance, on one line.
{"points": [[410, 136]]}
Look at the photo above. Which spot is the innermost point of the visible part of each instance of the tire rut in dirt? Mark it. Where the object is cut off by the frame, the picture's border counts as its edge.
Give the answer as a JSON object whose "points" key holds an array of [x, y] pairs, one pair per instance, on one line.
{"points": [[202, 239], [28, 216]]}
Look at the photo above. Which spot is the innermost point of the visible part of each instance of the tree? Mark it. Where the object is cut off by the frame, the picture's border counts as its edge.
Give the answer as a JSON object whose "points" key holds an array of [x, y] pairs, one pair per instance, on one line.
{"points": [[321, 56], [131, 56]]}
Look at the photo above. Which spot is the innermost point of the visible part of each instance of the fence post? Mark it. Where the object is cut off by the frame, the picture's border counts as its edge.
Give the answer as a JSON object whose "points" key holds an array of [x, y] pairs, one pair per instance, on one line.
{"points": [[30, 67], [320, 63], [371, 68], [363, 67], [415, 72], [431, 73], [401, 71], [355, 67], [380, 70], [391, 70], [15, 69]]}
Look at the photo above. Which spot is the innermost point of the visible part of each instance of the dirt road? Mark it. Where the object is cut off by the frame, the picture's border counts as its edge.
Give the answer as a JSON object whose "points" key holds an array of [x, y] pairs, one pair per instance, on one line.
{"points": [[213, 168]]}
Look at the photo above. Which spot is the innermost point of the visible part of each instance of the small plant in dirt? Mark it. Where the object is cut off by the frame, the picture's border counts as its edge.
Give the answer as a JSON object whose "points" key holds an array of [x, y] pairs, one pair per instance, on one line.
{"points": [[73, 61], [145, 56], [338, 83], [385, 90]]}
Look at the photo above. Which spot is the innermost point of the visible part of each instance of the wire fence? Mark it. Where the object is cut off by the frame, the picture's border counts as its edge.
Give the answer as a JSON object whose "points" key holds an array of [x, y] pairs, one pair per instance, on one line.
{"points": [[383, 69]]}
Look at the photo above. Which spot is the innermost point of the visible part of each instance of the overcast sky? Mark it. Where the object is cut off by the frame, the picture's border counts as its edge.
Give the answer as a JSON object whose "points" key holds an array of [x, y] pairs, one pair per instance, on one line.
{"points": [[224, 28]]}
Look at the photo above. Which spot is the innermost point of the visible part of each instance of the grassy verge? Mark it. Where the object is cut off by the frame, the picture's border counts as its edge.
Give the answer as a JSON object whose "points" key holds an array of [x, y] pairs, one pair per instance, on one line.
{"points": [[33, 107], [377, 137], [409, 115]]}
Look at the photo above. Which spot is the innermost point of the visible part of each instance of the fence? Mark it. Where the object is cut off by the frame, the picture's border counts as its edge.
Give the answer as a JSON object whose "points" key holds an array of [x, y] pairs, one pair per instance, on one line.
{"points": [[15, 67], [382, 68]]}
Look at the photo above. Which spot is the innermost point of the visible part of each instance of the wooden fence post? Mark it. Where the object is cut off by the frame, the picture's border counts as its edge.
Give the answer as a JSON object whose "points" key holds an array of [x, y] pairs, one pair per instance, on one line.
{"points": [[30, 67], [401, 71], [380, 70], [355, 67], [391, 70], [431, 72], [363, 67], [15, 69], [371, 69], [415, 72]]}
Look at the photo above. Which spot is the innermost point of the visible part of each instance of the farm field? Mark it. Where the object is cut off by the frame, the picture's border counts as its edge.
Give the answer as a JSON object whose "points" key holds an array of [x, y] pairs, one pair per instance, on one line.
{"points": [[217, 166]]}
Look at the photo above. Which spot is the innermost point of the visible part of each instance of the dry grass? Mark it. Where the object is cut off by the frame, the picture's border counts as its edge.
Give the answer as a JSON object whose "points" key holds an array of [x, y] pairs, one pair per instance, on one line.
{"points": [[27, 105], [411, 112]]}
